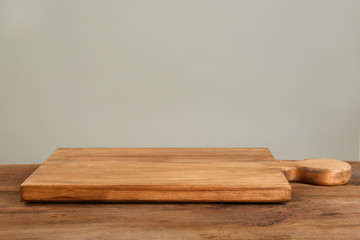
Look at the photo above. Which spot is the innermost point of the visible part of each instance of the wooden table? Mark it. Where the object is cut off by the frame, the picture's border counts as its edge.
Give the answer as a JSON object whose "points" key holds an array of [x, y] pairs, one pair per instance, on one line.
{"points": [[314, 212]]}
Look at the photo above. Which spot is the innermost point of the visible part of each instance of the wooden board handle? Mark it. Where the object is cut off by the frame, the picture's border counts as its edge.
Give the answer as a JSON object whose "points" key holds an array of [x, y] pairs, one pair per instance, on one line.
{"points": [[319, 171]]}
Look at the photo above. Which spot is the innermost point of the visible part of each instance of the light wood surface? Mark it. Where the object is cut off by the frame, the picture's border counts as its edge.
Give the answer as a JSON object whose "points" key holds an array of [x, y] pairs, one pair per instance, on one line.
{"points": [[175, 174], [315, 212]]}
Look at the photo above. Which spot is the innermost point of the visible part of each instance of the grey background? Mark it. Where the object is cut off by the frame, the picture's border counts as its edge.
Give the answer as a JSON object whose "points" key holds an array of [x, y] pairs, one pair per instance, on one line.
{"points": [[187, 73]]}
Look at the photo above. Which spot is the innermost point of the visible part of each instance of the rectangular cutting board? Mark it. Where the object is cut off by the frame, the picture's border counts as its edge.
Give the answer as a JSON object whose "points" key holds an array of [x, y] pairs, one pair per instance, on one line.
{"points": [[158, 174], [175, 175]]}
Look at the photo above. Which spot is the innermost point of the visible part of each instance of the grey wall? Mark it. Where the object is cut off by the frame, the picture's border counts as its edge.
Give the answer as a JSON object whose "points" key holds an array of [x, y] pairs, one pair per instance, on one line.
{"points": [[282, 74]]}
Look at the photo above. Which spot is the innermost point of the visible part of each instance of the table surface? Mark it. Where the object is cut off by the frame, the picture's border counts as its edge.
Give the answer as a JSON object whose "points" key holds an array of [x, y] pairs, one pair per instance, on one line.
{"points": [[315, 212]]}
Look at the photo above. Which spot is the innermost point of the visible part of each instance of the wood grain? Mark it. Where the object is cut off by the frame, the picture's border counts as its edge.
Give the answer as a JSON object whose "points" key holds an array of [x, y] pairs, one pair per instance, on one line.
{"points": [[325, 172], [315, 212], [174, 174]]}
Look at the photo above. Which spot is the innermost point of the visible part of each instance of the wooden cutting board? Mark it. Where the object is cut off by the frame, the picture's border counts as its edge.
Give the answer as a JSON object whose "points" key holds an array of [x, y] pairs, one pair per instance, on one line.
{"points": [[175, 174]]}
